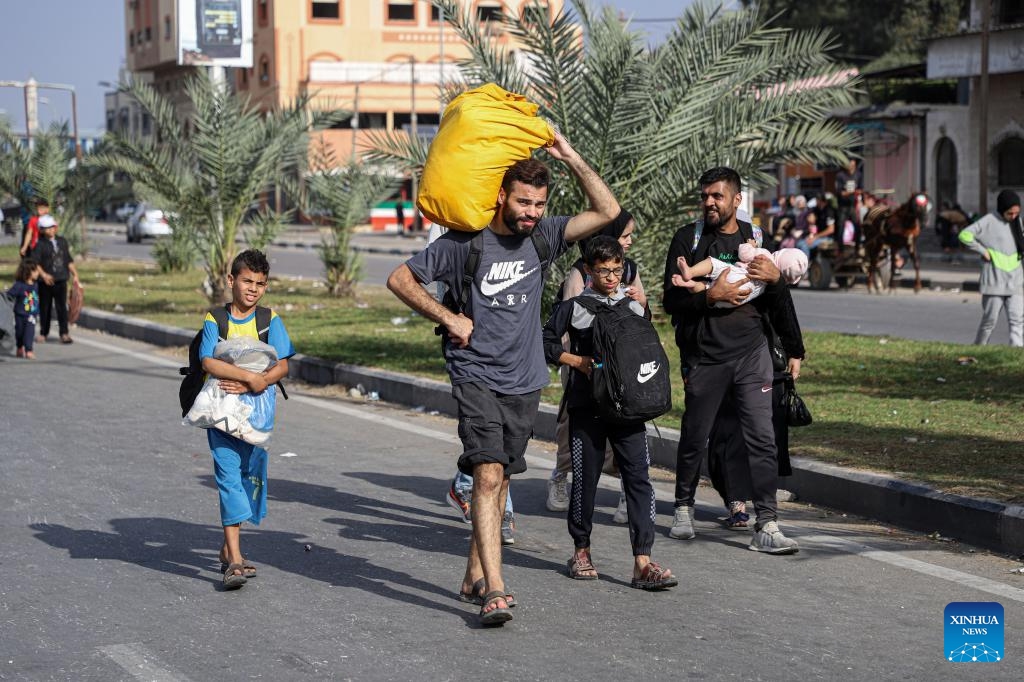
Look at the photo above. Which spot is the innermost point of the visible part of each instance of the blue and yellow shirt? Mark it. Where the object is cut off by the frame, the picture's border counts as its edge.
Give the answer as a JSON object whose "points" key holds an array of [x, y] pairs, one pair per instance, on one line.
{"points": [[277, 336]]}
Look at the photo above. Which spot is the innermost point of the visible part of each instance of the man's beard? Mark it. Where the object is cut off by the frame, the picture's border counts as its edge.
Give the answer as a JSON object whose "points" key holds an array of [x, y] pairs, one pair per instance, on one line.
{"points": [[722, 219], [513, 224]]}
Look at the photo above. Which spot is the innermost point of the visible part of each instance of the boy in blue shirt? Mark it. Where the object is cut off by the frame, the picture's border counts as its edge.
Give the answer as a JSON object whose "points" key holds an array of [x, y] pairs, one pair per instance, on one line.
{"points": [[240, 468]]}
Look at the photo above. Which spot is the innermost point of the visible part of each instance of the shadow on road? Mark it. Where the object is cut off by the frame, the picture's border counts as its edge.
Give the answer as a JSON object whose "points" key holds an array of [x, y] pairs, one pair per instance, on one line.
{"points": [[170, 546]]}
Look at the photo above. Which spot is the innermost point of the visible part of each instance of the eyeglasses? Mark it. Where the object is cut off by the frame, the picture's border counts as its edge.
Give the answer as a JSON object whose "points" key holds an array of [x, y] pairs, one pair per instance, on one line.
{"points": [[605, 272]]}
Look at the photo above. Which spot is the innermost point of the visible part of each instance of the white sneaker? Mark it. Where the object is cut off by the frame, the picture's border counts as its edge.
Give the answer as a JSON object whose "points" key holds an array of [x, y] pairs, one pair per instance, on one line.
{"points": [[621, 513], [771, 540], [508, 527], [558, 493], [682, 524]]}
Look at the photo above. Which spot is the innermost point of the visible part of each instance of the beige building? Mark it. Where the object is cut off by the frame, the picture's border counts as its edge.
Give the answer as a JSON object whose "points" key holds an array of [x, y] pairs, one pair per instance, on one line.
{"points": [[381, 58], [954, 164]]}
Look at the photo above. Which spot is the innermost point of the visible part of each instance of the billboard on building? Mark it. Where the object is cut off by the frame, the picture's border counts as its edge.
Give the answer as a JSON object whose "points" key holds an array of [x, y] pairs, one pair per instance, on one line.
{"points": [[215, 33]]}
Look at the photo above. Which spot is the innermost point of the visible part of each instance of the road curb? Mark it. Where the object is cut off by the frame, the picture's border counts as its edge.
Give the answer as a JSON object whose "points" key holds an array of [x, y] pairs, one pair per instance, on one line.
{"points": [[979, 522]]}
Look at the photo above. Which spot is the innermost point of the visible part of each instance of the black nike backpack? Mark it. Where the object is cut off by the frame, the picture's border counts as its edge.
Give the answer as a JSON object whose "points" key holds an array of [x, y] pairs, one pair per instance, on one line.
{"points": [[193, 375], [630, 378]]}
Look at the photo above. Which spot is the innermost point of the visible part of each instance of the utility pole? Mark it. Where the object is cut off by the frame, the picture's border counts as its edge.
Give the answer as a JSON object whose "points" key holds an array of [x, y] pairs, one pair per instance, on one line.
{"points": [[440, 42], [414, 134], [986, 13], [31, 109], [355, 124]]}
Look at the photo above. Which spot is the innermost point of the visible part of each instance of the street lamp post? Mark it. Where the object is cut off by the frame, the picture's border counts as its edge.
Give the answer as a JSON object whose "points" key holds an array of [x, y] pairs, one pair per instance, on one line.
{"points": [[74, 112]]}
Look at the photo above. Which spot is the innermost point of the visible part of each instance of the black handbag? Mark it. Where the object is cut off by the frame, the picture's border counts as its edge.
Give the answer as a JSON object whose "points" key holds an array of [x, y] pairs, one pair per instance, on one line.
{"points": [[797, 413]]}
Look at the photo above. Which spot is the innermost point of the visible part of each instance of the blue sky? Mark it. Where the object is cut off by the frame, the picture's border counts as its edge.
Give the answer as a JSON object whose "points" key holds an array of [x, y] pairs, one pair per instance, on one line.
{"points": [[81, 42]]}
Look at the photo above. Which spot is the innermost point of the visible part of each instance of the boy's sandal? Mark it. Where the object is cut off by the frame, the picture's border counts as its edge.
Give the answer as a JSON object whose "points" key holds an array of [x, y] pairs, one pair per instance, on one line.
{"points": [[249, 570], [233, 580], [653, 578], [581, 568], [738, 521], [496, 615], [476, 594]]}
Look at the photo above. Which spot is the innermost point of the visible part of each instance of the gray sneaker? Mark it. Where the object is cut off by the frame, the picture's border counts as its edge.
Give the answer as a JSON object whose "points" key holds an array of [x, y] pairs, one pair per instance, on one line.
{"points": [[558, 493], [682, 524], [621, 513], [508, 524], [771, 540]]}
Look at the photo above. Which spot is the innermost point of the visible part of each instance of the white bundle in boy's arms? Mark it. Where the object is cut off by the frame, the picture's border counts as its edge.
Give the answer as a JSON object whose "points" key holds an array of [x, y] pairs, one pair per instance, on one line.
{"points": [[248, 416]]}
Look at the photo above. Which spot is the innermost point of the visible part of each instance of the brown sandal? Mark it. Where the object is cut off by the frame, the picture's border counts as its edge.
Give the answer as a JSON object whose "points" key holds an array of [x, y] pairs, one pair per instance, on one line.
{"points": [[580, 566], [248, 569], [653, 578], [234, 577], [476, 594], [497, 615]]}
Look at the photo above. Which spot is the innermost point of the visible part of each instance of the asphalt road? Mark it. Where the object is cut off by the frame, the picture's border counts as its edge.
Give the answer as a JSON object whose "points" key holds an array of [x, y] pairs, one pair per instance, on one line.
{"points": [[926, 316], [109, 534]]}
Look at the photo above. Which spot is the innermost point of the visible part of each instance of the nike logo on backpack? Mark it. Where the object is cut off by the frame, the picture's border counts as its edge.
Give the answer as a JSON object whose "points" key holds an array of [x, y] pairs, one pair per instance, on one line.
{"points": [[647, 371], [502, 276]]}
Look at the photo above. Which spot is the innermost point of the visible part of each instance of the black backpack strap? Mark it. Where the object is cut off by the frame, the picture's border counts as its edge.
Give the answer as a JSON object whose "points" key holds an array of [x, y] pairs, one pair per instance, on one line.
{"points": [[220, 315], [543, 252], [263, 318], [469, 270], [263, 323]]}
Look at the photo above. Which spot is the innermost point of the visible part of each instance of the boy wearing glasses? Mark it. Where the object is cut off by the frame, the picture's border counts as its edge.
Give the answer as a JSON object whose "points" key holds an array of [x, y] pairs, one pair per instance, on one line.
{"points": [[589, 433]]}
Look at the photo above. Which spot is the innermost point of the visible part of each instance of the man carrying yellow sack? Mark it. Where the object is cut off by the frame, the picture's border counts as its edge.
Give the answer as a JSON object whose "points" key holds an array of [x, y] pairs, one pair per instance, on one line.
{"points": [[493, 349], [482, 133]]}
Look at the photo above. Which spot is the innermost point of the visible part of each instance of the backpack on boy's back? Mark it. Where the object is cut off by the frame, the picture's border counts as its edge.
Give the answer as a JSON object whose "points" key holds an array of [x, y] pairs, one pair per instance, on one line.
{"points": [[630, 378], [194, 377]]}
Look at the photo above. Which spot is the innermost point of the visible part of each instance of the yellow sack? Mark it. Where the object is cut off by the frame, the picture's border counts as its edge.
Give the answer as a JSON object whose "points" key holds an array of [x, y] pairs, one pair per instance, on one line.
{"points": [[482, 133]]}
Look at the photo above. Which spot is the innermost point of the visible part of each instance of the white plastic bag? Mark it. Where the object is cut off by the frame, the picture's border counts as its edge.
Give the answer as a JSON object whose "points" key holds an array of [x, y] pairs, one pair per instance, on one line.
{"points": [[248, 416]]}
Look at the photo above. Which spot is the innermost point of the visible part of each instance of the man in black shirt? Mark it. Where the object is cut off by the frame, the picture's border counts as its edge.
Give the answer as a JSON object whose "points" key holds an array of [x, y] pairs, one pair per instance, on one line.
{"points": [[53, 254], [723, 350]]}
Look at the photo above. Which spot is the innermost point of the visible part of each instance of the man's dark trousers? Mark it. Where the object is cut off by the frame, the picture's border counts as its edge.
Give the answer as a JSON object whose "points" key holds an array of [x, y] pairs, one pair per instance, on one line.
{"points": [[750, 378], [50, 297]]}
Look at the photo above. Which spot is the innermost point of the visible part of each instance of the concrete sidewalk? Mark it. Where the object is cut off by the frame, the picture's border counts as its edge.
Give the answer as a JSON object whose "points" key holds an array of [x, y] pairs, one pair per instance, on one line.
{"points": [[979, 522]]}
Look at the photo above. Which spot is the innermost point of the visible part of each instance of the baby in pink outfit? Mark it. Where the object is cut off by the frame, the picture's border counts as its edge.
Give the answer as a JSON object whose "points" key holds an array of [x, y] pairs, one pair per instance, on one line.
{"points": [[792, 263]]}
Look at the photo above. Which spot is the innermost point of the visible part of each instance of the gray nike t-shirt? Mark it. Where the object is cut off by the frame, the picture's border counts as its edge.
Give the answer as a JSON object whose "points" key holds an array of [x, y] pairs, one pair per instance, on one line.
{"points": [[505, 352]]}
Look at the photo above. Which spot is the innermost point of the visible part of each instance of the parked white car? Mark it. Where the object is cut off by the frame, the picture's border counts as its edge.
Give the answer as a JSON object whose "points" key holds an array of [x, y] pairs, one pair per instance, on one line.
{"points": [[147, 222]]}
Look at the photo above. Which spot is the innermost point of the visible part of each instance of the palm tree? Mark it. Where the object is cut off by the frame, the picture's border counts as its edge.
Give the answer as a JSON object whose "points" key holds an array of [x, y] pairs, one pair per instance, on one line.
{"points": [[724, 88], [47, 171], [347, 192], [209, 172]]}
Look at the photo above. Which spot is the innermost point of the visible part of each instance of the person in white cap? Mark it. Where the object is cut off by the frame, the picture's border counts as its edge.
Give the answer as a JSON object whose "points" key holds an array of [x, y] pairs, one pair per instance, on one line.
{"points": [[53, 254]]}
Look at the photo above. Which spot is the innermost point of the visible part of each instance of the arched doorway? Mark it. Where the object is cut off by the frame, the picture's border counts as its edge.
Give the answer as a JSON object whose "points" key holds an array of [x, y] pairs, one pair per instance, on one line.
{"points": [[945, 173]]}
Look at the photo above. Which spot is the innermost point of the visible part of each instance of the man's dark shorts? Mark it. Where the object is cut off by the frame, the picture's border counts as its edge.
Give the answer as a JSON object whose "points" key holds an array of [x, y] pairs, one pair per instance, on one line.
{"points": [[494, 427]]}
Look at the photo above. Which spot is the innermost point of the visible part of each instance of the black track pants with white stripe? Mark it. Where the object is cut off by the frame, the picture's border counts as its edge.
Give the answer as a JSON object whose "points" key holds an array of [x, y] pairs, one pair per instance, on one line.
{"points": [[588, 437]]}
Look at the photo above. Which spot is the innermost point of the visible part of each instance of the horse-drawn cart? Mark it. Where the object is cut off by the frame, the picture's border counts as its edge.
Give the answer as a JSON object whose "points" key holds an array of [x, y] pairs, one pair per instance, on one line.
{"points": [[844, 267], [886, 231]]}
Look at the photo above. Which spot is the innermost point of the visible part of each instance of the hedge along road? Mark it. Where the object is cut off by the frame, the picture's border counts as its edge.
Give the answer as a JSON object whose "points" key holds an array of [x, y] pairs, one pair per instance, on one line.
{"points": [[109, 537], [927, 316]]}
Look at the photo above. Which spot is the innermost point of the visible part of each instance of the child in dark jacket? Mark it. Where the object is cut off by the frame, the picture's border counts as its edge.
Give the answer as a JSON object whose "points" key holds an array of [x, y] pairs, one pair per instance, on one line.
{"points": [[589, 432], [25, 293]]}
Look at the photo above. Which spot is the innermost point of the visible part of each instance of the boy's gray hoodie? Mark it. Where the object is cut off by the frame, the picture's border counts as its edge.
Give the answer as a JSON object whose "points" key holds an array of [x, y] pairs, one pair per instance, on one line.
{"points": [[1002, 275]]}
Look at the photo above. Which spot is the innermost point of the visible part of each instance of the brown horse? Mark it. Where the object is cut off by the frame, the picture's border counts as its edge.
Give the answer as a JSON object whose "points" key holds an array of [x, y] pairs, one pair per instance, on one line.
{"points": [[894, 229]]}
